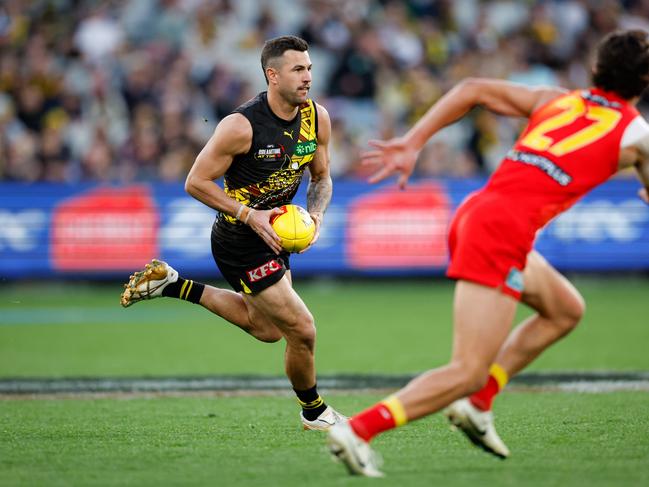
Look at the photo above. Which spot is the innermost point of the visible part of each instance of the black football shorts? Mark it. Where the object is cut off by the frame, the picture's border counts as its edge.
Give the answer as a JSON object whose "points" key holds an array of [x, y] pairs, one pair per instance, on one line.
{"points": [[248, 264]]}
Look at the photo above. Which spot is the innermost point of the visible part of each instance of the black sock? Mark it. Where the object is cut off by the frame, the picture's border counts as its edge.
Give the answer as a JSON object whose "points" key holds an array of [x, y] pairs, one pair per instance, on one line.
{"points": [[311, 402], [184, 289]]}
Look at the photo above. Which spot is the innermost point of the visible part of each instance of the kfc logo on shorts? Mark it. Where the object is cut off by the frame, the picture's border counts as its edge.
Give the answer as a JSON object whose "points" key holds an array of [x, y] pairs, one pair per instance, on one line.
{"points": [[264, 270]]}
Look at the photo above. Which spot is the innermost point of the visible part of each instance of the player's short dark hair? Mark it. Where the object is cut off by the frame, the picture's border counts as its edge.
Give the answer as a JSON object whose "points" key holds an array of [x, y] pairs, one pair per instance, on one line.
{"points": [[274, 48], [623, 63]]}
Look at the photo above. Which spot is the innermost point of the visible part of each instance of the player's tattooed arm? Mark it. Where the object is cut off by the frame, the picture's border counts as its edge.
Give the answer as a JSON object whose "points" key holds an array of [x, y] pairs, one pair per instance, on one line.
{"points": [[320, 188], [318, 194]]}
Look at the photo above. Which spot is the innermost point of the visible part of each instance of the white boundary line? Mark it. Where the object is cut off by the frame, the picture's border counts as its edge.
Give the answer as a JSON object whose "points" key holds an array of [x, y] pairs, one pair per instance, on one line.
{"points": [[585, 382]]}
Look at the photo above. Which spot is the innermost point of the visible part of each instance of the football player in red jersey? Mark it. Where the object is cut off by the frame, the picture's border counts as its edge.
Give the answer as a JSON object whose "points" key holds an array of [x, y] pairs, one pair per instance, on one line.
{"points": [[573, 142]]}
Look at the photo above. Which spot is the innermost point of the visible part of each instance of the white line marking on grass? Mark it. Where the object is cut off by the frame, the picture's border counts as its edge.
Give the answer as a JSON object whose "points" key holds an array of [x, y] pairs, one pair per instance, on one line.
{"points": [[592, 383], [602, 387]]}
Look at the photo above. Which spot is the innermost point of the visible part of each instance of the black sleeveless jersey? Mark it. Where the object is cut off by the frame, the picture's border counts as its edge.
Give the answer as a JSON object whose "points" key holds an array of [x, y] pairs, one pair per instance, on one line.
{"points": [[269, 174]]}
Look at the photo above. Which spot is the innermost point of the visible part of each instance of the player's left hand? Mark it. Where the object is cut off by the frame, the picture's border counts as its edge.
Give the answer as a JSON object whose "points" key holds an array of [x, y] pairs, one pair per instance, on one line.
{"points": [[259, 221], [317, 219], [644, 195], [395, 156]]}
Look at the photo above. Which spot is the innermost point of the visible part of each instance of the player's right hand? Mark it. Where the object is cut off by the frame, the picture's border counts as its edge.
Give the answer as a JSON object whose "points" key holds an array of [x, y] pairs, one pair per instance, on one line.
{"points": [[259, 221], [317, 219], [395, 156], [644, 195]]}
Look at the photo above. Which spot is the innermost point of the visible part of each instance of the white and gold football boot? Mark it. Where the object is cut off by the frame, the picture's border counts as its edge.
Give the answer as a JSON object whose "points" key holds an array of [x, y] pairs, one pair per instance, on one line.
{"points": [[326, 420], [148, 283]]}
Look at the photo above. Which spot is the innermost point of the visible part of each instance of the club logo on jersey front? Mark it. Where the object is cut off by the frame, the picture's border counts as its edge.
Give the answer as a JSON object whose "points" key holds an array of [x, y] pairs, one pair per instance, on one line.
{"points": [[265, 270], [270, 152]]}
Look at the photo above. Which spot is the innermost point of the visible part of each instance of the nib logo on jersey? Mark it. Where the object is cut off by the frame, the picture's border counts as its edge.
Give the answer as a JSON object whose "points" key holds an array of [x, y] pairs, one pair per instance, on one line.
{"points": [[391, 229], [105, 229]]}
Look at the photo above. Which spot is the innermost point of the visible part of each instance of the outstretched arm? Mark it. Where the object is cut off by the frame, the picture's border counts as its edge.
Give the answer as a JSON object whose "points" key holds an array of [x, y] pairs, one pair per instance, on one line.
{"points": [[502, 97], [642, 167], [232, 136], [637, 155], [318, 194]]}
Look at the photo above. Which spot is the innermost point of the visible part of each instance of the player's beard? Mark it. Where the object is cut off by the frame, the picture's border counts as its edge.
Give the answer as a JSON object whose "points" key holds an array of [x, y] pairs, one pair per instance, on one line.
{"points": [[294, 97]]}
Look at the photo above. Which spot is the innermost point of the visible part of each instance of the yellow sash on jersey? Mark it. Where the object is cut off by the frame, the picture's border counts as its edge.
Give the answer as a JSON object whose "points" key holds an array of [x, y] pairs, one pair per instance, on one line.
{"points": [[291, 175]]}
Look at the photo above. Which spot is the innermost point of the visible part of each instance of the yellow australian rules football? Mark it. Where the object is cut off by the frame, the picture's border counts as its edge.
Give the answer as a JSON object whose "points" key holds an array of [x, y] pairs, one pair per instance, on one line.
{"points": [[295, 227]]}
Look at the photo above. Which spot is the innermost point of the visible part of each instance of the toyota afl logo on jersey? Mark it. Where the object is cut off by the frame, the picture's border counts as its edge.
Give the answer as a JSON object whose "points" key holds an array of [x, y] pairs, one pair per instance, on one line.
{"points": [[270, 152], [264, 270]]}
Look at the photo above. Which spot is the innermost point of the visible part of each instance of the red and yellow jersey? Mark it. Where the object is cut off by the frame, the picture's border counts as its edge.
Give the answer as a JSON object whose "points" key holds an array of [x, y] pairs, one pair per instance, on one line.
{"points": [[569, 146]]}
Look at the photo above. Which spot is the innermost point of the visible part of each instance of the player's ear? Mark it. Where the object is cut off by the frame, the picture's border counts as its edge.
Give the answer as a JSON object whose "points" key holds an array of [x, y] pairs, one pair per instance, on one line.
{"points": [[271, 75]]}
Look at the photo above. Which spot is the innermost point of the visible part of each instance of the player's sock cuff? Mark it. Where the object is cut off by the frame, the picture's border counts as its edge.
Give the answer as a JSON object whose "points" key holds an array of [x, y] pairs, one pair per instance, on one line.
{"points": [[185, 289], [193, 292], [500, 374], [394, 405], [307, 395], [311, 403]]}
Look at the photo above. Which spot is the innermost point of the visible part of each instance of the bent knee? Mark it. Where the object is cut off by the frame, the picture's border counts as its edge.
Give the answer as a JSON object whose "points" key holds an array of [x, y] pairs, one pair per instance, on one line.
{"points": [[578, 308], [302, 330], [571, 313], [306, 335]]}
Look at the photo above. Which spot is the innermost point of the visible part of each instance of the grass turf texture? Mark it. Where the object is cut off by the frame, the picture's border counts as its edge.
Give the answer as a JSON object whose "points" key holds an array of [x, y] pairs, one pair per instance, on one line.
{"points": [[380, 326], [556, 439]]}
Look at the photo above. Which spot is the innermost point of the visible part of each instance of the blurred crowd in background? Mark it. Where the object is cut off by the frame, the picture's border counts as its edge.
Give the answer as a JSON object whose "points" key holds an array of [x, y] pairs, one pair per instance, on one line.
{"points": [[131, 90]]}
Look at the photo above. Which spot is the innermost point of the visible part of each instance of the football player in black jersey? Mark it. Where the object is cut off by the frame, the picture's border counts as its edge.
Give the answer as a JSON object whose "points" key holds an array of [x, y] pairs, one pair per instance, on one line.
{"points": [[261, 150]]}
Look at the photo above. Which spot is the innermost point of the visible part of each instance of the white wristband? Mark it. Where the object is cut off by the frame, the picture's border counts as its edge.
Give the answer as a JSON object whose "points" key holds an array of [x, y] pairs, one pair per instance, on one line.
{"points": [[248, 216], [238, 215]]}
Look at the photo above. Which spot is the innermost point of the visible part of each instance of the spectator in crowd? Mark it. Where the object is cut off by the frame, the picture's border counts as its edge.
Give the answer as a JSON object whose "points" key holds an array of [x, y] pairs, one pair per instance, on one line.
{"points": [[128, 91]]}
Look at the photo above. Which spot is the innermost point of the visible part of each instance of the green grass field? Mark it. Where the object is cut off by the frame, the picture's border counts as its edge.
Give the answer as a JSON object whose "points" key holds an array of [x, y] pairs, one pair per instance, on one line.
{"points": [[371, 326], [391, 326], [557, 439]]}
